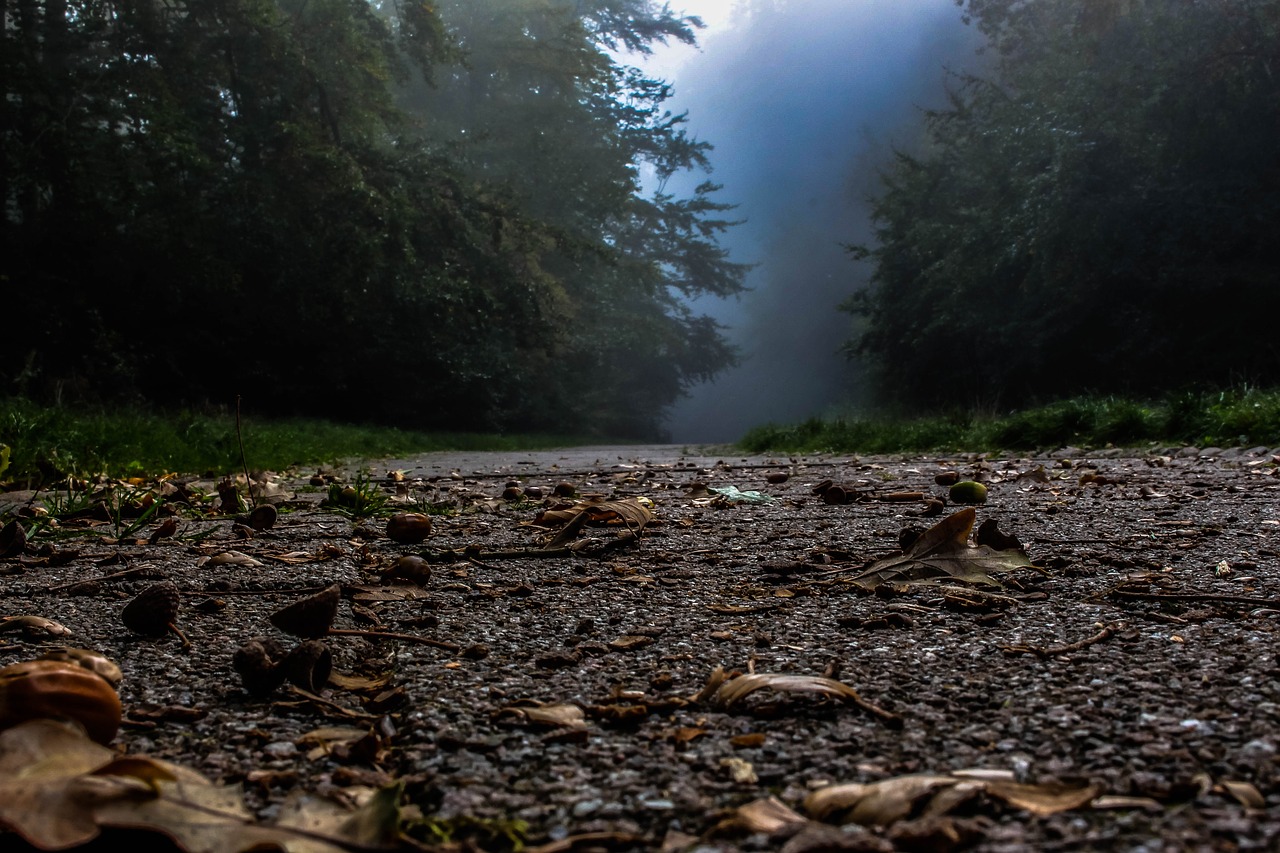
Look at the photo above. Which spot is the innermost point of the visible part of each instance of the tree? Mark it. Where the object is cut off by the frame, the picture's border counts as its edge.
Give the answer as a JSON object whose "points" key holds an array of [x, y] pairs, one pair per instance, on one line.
{"points": [[267, 198], [1079, 215], [541, 108]]}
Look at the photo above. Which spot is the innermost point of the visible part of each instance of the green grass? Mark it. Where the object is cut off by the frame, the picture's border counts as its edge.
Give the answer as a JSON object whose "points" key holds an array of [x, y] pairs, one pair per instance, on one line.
{"points": [[48, 444], [1236, 417]]}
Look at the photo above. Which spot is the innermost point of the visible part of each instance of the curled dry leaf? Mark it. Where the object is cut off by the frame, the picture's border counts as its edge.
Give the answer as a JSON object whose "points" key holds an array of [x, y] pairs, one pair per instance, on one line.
{"points": [[59, 790], [559, 716], [926, 795], [233, 558], [729, 692], [163, 530], [943, 553], [768, 816], [630, 512], [1244, 793], [34, 627]]}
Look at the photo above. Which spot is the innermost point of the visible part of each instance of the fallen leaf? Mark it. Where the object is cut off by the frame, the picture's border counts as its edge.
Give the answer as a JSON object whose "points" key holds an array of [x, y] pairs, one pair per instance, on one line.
{"points": [[927, 795], [879, 803], [1245, 794], [58, 789], [769, 816], [548, 716], [34, 626], [943, 552], [232, 558]]}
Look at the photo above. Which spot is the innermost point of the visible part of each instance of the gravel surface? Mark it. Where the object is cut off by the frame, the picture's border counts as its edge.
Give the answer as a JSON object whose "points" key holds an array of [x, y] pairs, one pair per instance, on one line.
{"points": [[557, 698]]}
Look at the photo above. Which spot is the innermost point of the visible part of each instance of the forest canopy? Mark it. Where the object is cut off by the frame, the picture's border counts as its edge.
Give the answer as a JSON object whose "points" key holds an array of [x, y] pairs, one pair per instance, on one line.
{"points": [[438, 215], [1095, 212]]}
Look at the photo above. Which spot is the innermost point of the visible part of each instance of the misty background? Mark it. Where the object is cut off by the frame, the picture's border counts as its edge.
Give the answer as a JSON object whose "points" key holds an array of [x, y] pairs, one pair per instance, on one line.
{"points": [[803, 100]]}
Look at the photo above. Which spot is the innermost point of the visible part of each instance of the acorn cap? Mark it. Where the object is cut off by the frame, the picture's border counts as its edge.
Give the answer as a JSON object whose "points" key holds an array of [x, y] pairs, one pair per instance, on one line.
{"points": [[308, 665], [258, 663], [311, 616], [263, 517], [153, 611]]}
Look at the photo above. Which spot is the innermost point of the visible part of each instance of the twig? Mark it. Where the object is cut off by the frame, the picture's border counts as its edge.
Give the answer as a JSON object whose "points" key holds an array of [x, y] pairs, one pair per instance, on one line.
{"points": [[890, 719], [1195, 596], [113, 576], [244, 463], [384, 635], [1045, 652]]}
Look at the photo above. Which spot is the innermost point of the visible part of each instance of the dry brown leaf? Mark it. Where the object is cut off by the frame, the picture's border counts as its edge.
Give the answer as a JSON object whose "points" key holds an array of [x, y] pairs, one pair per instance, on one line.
{"points": [[769, 816], [736, 689], [58, 789], [548, 716], [36, 626], [1044, 799], [233, 558], [927, 795], [943, 552], [878, 803], [630, 512], [359, 683], [1245, 794]]}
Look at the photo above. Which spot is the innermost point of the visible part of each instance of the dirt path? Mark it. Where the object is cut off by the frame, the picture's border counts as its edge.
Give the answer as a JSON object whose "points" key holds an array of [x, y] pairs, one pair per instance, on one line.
{"points": [[1133, 676]]}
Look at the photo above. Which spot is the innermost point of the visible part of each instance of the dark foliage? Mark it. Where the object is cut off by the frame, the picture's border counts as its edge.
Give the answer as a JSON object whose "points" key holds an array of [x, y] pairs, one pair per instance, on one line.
{"points": [[205, 200], [1096, 214]]}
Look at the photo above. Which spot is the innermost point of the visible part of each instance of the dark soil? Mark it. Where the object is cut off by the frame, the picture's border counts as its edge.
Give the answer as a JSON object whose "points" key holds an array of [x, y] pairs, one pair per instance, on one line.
{"points": [[1141, 658]]}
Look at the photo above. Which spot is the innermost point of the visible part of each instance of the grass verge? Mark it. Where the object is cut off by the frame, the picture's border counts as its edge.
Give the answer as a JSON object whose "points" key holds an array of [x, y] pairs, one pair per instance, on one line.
{"points": [[1238, 417], [47, 444]]}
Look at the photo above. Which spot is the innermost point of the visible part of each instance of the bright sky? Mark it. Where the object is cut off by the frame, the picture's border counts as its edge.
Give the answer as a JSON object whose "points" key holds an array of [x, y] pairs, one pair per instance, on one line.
{"points": [[716, 14]]}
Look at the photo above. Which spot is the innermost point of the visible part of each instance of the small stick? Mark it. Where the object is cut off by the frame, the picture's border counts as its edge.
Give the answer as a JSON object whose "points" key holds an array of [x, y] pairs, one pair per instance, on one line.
{"points": [[1045, 652], [113, 576], [244, 463], [186, 644], [385, 635], [1196, 596], [889, 718]]}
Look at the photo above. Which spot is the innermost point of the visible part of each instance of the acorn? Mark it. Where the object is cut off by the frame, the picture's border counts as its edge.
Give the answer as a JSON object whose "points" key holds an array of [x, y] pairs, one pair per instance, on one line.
{"points": [[410, 568], [259, 664], [946, 478], [153, 612], [39, 689], [93, 661], [263, 517], [308, 665], [409, 528], [311, 616], [968, 492]]}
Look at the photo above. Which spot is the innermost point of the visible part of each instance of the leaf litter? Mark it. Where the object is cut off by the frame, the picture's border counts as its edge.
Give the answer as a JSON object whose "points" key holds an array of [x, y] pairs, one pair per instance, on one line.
{"points": [[609, 749]]}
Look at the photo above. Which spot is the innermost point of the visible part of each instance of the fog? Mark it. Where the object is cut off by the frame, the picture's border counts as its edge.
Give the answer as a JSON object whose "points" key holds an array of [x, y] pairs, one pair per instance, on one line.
{"points": [[802, 99]]}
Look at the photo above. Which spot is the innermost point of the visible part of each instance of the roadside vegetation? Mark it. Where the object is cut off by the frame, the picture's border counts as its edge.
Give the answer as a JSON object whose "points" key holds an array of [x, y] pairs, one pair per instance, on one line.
{"points": [[1242, 417], [47, 444]]}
